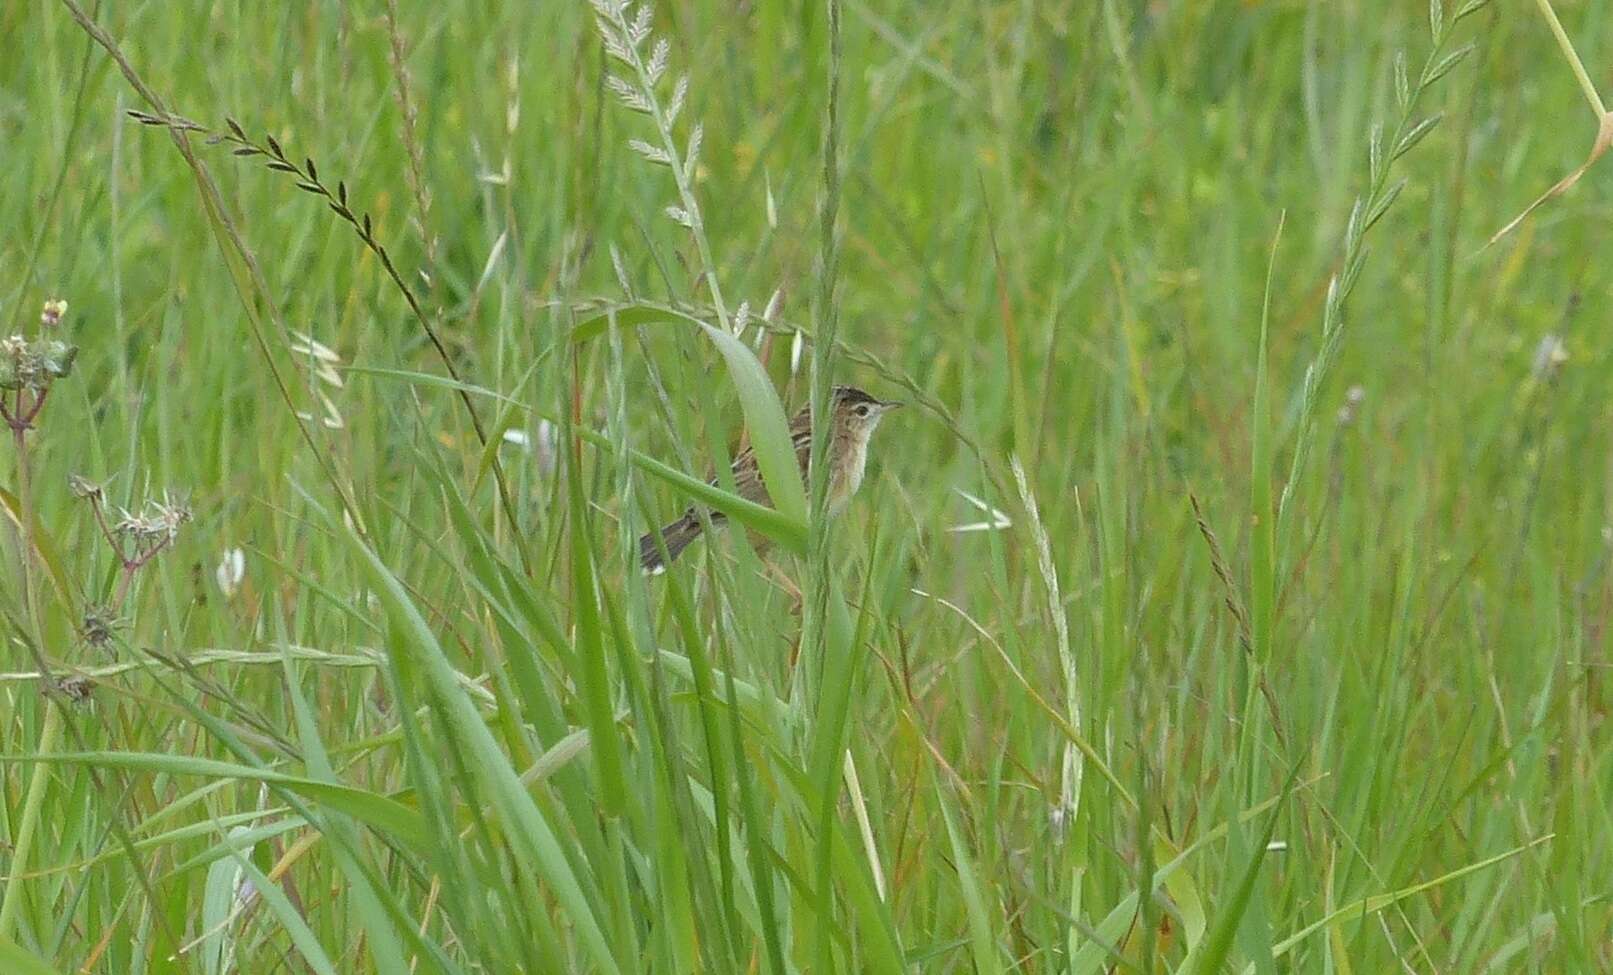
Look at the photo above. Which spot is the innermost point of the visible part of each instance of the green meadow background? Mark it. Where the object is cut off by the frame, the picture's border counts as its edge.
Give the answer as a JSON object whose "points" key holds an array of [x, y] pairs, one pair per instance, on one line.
{"points": [[1139, 650]]}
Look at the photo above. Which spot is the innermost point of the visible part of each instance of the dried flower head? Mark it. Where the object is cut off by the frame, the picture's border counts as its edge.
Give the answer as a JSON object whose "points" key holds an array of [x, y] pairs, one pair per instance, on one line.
{"points": [[34, 365], [76, 688], [100, 624], [136, 538], [159, 521], [83, 487], [13, 356]]}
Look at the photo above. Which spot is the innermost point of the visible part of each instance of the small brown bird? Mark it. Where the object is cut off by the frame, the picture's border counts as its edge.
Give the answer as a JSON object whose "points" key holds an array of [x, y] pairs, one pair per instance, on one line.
{"points": [[855, 415]]}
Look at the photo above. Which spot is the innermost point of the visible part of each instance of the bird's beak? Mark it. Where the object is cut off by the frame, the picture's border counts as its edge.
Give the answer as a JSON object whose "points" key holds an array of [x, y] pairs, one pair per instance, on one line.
{"points": [[890, 404]]}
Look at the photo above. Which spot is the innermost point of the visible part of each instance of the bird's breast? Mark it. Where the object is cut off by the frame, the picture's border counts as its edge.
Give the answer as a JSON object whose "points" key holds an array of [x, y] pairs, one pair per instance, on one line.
{"points": [[849, 475]]}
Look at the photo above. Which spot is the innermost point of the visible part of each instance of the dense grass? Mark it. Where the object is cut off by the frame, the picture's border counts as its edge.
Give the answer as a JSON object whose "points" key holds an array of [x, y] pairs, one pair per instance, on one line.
{"points": [[443, 727]]}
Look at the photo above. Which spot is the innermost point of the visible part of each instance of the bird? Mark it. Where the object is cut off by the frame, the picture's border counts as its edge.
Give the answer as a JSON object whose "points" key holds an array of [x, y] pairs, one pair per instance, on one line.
{"points": [[855, 414]]}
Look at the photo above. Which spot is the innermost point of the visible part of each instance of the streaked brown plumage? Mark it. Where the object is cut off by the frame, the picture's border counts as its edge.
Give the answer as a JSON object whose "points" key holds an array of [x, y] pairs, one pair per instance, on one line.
{"points": [[855, 415]]}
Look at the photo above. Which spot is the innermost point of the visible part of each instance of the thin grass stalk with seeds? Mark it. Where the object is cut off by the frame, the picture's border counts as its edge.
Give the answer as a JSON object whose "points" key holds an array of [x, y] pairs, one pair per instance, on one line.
{"points": [[1218, 564], [826, 321], [625, 42], [409, 113], [1369, 208], [230, 241], [822, 599], [307, 179], [1073, 764], [249, 280]]}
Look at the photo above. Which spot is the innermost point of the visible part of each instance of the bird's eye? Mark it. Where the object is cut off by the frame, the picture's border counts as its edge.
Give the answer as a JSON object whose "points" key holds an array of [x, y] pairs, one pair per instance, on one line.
{"points": [[862, 409]]}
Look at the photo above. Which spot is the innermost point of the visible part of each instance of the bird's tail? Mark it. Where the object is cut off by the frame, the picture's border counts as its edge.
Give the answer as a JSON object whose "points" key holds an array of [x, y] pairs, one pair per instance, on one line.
{"points": [[675, 536]]}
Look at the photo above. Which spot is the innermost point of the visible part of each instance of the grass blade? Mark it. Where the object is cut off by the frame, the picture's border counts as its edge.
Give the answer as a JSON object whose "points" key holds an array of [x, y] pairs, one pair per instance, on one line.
{"points": [[13, 958], [527, 827]]}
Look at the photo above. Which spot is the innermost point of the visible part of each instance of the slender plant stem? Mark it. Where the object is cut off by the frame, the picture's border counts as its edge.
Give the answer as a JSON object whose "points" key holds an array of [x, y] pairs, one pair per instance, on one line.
{"points": [[25, 504], [682, 169], [1369, 208], [230, 236], [815, 617], [826, 323], [68, 154], [1567, 47], [106, 530], [25, 533], [124, 579], [28, 826], [25, 544]]}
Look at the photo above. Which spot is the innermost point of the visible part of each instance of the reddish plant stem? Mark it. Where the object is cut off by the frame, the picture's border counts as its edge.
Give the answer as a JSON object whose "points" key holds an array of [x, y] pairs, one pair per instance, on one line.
{"points": [[134, 564], [7, 414], [33, 411], [123, 586], [106, 531], [25, 539]]}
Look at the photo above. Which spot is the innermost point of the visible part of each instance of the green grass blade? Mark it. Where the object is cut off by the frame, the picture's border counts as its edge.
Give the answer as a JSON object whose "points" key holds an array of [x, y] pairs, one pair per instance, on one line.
{"points": [[387, 815], [987, 959], [526, 825], [592, 673], [764, 415], [383, 941], [302, 937], [1378, 902], [1229, 918], [13, 958]]}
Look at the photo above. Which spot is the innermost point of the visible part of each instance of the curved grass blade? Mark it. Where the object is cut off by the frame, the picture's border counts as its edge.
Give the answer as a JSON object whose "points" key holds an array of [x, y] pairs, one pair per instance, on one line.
{"points": [[384, 943], [764, 414], [628, 316], [769, 430], [1377, 902], [14, 959], [1219, 943], [302, 936], [49, 556], [528, 829], [384, 814], [986, 957], [787, 531]]}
